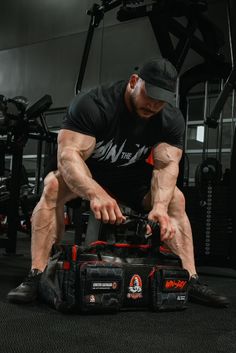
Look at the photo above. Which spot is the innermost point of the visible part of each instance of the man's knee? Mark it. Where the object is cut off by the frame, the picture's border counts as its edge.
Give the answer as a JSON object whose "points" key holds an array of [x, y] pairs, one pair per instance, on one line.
{"points": [[55, 189], [51, 185], [48, 199]]}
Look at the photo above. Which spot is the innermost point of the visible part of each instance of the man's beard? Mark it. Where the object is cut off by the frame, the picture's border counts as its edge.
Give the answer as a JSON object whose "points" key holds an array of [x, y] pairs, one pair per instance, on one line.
{"points": [[138, 120], [133, 105], [135, 109]]}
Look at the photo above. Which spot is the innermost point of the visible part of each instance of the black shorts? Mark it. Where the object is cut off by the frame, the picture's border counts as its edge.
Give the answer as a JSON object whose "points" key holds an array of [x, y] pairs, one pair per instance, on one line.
{"points": [[128, 184]]}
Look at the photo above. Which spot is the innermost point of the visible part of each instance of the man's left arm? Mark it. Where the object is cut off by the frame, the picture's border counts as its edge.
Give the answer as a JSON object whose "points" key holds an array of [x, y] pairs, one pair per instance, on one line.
{"points": [[165, 173]]}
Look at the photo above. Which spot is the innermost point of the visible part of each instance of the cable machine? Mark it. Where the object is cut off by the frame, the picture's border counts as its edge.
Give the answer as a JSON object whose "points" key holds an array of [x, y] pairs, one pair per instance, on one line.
{"points": [[214, 221], [162, 15]]}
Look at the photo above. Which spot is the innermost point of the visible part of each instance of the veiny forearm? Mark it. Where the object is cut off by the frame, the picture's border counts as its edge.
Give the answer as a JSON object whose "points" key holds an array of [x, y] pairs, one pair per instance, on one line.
{"points": [[74, 149], [163, 184], [77, 175]]}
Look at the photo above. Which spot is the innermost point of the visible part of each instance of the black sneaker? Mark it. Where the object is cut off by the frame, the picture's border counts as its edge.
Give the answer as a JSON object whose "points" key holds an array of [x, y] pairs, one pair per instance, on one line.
{"points": [[27, 291], [202, 294]]}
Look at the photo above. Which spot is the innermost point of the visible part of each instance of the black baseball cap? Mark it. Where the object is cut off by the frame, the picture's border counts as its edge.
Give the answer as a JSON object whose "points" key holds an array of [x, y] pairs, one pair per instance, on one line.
{"points": [[160, 79]]}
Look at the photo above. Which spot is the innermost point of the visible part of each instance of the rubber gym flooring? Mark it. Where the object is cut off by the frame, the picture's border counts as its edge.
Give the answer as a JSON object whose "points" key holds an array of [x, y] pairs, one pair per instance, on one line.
{"points": [[35, 328]]}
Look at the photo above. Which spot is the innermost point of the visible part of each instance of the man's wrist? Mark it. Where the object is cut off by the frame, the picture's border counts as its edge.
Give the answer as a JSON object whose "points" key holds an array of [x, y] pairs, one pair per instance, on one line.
{"points": [[95, 192], [160, 206]]}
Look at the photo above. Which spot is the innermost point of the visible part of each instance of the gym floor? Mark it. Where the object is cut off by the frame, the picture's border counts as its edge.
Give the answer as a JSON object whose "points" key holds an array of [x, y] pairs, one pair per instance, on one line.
{"points": [[36, 328]]}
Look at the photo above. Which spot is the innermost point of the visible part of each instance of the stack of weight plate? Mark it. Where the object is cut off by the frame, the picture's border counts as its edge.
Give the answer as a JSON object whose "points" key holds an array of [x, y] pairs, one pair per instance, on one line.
{"points": [[210, 217]]}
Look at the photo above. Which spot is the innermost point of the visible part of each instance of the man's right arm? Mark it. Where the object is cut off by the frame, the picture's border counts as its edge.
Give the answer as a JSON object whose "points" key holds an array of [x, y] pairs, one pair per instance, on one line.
{"points": [[73, 149]]}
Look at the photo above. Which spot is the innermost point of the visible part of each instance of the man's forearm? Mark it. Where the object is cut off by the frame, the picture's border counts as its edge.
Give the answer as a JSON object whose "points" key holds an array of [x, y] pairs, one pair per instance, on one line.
{"points": [[77, 175], [163, 184], [73, 150]]}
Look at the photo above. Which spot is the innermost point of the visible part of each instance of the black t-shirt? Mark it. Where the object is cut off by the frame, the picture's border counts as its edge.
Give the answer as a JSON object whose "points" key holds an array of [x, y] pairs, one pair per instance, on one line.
{"points": [[122, 138]]}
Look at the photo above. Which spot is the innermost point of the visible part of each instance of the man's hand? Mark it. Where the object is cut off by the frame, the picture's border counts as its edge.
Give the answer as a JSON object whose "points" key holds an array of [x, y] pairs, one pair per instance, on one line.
{"points": [[106, 209], [167, 231]]}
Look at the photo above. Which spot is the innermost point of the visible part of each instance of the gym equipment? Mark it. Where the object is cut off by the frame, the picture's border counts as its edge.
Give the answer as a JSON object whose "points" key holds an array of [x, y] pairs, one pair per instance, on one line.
{"points": [[17, 122], [108, 276], [208, 203], [210, 216], [162, 15], [231, 79], [211, 205], [232, 200], [212, 120]]}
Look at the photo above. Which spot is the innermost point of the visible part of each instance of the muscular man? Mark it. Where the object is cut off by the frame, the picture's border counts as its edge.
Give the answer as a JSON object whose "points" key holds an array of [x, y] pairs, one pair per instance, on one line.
{"points": [[102, 147]]}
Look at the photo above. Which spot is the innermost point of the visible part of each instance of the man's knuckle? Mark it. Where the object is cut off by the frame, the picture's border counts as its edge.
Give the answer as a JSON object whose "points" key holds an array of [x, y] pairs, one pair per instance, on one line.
{"points": [[96, 208]]}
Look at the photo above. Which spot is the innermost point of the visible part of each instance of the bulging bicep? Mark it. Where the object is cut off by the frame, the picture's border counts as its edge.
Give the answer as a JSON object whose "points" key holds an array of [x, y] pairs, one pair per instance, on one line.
{"points": [[165, 154]]}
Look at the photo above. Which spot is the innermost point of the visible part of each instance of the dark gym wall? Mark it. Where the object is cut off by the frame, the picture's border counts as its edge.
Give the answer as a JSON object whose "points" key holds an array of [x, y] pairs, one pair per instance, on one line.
{"points": [[42, 46], [42, 43], [28, 21]]}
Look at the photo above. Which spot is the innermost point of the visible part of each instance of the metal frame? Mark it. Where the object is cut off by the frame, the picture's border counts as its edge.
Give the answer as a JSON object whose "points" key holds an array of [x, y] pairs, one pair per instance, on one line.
{"points": [[163, 25], [230, 84]]}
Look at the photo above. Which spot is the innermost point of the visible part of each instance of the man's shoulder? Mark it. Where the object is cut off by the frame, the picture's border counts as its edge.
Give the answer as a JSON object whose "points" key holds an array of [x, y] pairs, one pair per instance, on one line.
{"points": [[101, 92], [171, 114], [172, 110], [103, 98], [108, 94], [94, 112], [82, 103]]}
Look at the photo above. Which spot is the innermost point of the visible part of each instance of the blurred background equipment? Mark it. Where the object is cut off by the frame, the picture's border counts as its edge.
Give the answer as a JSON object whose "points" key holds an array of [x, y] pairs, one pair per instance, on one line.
{"points": [[17, 124]]}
